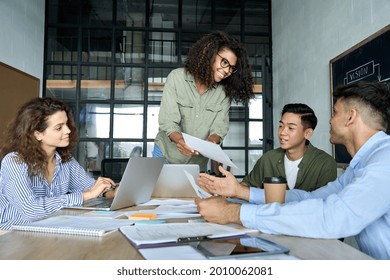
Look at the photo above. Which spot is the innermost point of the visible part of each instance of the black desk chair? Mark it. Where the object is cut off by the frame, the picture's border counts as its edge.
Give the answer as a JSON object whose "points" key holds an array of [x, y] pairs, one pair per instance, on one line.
{"points": [[113, 168], [214, 168]]}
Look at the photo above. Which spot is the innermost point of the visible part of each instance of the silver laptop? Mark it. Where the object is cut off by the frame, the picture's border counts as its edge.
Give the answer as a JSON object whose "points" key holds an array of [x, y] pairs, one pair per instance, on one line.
{"points": [[173, 182], [136, 187]]}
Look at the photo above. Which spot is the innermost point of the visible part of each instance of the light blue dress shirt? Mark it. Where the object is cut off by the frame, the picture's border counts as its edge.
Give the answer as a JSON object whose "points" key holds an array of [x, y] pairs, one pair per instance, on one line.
{"points": [[356, 203], [24, 199]]}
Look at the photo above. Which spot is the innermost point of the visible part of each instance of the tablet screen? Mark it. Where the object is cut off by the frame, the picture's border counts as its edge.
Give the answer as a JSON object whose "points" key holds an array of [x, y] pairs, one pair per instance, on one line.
{"points": [[236, 247]]}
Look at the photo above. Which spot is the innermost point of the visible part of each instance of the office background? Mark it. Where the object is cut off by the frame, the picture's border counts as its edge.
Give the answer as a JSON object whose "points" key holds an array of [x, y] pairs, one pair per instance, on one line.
{"points": [[306, 35]]}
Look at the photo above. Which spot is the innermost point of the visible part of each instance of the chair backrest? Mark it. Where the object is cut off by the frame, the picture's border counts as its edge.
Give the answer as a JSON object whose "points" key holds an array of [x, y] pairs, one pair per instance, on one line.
{"points": [[113, 168], [214, 168]]}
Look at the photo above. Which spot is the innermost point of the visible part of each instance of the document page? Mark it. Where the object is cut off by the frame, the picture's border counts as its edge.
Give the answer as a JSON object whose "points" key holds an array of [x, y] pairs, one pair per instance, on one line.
{"points": [[198, 190], [172, 211], [208, 149], [170, 232]]}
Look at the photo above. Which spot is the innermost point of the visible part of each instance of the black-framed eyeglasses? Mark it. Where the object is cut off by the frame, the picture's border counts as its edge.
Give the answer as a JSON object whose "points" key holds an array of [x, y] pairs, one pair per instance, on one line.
{"points": [[225, 64]]}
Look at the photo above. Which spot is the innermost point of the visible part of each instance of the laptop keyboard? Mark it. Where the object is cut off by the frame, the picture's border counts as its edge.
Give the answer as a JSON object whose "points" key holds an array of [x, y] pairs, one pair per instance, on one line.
{"points": [[100, 202]]}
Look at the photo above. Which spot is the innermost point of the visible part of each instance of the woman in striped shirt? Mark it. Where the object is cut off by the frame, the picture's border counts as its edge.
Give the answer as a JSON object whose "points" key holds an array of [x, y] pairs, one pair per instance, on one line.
{"points": [[38, 174]]}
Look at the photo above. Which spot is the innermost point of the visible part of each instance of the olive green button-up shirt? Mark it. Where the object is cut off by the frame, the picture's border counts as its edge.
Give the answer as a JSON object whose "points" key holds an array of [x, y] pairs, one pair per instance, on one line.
{"points": [[183, 109], [316, 169]]}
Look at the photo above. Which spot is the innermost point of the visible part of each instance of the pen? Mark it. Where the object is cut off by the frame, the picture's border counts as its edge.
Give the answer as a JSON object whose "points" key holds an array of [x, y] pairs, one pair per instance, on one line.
{"points": [[192, 238]]}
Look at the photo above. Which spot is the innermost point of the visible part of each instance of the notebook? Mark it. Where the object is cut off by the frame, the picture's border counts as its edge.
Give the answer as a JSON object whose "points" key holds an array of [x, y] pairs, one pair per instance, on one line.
{"points": [[173, 182], [136, 186], [78, 225]]}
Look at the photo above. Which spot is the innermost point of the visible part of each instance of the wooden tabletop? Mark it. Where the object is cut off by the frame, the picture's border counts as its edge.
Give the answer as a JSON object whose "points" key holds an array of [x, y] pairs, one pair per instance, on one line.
{"points": [[18, 245]]}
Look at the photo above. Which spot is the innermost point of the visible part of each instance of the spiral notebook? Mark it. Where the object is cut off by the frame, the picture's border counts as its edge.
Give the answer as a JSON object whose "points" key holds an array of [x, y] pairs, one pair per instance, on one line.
{"points": [[79, 225]]}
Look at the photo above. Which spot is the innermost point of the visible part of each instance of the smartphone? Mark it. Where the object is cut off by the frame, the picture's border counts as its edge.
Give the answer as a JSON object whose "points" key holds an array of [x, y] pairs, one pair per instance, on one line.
{"points": [[238, 247]]}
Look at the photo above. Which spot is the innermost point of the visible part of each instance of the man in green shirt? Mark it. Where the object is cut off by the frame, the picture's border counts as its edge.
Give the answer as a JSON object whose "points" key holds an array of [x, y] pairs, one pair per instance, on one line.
{"points": [[303, 165]]}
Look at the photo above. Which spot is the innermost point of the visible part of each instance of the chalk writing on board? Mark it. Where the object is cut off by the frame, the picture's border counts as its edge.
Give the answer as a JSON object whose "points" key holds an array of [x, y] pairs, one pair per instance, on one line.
{"points": [[364, 71]]}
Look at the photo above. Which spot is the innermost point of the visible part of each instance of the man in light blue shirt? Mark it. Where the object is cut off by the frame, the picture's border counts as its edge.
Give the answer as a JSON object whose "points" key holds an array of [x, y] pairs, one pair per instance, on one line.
{"points": [[356, 203]]}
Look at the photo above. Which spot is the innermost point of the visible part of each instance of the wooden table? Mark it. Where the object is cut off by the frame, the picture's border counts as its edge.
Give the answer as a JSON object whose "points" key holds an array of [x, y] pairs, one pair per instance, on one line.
{"points": [[17, 245]]}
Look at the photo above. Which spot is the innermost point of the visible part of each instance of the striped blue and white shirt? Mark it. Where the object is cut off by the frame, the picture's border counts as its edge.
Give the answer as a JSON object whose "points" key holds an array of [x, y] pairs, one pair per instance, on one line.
{"points": [[24, 199]]}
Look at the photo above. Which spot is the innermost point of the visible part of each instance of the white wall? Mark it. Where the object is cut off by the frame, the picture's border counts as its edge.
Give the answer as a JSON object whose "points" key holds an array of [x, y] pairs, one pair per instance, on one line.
{"points": [[307, 34], [22, 35]]}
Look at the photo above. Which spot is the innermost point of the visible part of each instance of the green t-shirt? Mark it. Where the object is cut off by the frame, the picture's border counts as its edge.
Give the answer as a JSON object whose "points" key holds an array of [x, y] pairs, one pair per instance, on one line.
{"points": [[316, 169], [183, 109]]}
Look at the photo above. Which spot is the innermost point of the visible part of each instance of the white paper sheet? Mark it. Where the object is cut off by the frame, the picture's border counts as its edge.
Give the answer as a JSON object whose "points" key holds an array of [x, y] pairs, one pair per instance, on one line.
{"points": [[198, 190], [153, 202], [174, 211], [167, 209], [170, 232], [104, 214], [208, 149]]}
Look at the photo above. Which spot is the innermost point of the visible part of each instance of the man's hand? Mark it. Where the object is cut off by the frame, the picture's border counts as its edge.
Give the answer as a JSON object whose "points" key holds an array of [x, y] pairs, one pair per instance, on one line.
{"points": [[218, 210], [226, 186]]}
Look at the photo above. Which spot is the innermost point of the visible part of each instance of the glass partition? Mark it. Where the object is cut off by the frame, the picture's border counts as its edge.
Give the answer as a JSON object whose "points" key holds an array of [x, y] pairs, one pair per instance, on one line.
{"points": [[62, 44], [164, 13], [94, 120], [131, 13], [109, 60], [129, 46], [61, 81], [228, 15], [96, 45], [128, 121], [197, 14], [129, 83], [95, 82], [162, 47]]}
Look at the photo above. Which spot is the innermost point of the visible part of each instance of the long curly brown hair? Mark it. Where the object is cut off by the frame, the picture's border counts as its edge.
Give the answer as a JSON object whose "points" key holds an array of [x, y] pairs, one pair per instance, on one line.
{"points": [[19, 136], [201, 56]]}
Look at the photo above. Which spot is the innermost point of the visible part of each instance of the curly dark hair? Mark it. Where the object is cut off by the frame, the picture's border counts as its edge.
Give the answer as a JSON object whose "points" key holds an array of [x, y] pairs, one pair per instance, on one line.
{"points": [[201, 56], [19, 136]]}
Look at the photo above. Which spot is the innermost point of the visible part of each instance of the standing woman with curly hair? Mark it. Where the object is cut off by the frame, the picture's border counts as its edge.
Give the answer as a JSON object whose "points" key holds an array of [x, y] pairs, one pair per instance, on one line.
{"points": [[196, 99], [38, 174]]}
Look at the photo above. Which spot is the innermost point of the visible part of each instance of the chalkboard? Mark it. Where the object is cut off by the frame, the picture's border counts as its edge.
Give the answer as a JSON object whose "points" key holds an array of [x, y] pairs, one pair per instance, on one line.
{"points": [[369, 60]]}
